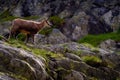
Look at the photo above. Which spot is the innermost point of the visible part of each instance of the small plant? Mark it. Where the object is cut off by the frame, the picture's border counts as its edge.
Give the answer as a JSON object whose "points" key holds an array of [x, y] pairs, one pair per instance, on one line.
{"points": [[36, 51], [46, 31], [21, 37], [92, 60], [94, 49], [94, 78], [118, 79], [56, 21]]}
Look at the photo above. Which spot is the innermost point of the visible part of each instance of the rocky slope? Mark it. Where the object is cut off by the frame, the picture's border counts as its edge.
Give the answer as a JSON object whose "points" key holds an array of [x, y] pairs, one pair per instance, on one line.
{"points": [[63, 59], [82, 16], [69, 61]]}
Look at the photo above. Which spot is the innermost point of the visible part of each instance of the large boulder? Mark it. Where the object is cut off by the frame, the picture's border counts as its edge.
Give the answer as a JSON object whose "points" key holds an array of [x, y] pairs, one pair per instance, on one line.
{"points": [[64, 68], [108, 45], [23, 63], [77, 26], [55, 37], [74, 75], [69, 60]]}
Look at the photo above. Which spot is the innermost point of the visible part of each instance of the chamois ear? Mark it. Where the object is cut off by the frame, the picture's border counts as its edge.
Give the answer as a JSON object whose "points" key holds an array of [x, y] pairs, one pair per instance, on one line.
{"points": [[45, 18]]}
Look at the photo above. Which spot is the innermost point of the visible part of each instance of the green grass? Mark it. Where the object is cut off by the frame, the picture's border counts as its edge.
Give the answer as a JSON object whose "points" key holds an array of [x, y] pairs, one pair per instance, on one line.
{"points": [[93, 49], [46, 31], [91, 59], [36, 51], [6, 16], [21, 37], [57, 21], [95, 40]]}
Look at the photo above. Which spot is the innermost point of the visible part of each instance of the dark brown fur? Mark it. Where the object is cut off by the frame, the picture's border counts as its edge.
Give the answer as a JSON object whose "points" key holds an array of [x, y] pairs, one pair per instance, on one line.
{"points": [[29, 28]]}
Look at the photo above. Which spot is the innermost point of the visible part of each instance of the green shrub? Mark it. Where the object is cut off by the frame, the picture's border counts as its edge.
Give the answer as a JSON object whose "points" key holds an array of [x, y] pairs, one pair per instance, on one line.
{"points": [[56, 21], [46, 31], [21, 37], [1, 37]]}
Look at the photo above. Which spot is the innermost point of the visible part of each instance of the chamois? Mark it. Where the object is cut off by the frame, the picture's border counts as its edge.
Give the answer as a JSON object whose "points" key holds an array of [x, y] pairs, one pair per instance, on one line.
{"points": [[27, 27]]}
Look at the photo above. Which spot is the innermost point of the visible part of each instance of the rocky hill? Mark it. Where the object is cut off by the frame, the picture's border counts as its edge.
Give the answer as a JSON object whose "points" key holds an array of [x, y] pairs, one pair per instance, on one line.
{"points": [[82, 16], [58, 55], [65, 61]]}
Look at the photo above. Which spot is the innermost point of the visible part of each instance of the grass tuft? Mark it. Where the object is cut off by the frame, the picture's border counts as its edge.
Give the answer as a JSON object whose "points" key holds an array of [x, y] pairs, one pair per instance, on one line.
{"points": [[36, 51], [93, 61]]}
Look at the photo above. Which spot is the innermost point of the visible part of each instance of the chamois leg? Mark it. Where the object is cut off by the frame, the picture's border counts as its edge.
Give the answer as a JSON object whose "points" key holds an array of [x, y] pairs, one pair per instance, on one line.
{"points": [[12, 35], [32, 36], [15, 35], [9, 36], [27, 38]]}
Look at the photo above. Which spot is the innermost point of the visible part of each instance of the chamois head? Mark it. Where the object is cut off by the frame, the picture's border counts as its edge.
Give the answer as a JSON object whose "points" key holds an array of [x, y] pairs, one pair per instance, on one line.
{"points": [[47, 23]]}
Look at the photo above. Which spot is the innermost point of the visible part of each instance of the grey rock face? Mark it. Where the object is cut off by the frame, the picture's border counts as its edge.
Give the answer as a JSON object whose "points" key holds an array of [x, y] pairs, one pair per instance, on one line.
{"points": [[6, 77], [5, 28], [22, 63], [71, 66], [74, 75], [77, 26], [108, 45]]}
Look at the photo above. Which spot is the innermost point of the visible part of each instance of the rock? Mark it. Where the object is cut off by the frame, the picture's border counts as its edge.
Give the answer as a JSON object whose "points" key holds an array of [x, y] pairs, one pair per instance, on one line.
{"points": [[5, 28], [20, 62], [107, 17], [77, 26], [112, 20], [63, 48], [97, 26], [73, 53], [112, 60], [55, 37], [6, 77], [71, 47], [70, 66], [115, 23], [108, 45], [105, 72], [74, 75], [72, 56]]}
